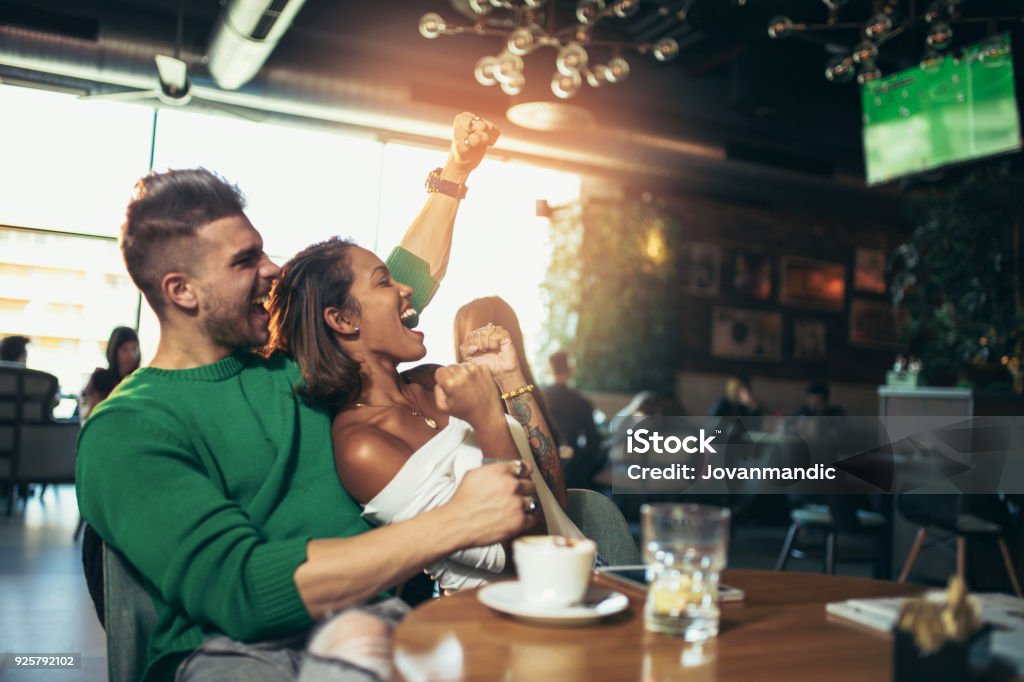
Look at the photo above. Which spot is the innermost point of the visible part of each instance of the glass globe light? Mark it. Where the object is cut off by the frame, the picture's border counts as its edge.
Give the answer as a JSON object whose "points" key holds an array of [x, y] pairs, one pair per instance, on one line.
{"points": [[868, 74], [877, 27], [624, 9], [666, 50], [833, 5], [431, 25], [507, 67], [931, 61], [993, 52], [565, 85], [587, 10], [598, 75], [571, 58], [780, 27], [618, 70], [514, 85], [839, 69], [480, 7], [534, 4], [940, 35], [865, 52], [484, 70], [521, 41]]}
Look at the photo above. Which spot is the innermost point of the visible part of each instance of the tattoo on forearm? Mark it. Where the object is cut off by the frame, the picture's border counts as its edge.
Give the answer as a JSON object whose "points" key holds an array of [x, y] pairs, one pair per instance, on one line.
{"points": [[519, 408], [544, 452]]}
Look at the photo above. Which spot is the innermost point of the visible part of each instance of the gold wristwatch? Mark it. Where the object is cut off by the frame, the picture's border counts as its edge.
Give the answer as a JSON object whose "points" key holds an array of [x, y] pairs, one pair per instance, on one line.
{"points": [[435, 183]]}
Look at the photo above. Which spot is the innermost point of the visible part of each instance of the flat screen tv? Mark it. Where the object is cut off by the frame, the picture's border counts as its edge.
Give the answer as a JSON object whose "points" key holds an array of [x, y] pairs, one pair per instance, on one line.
{"points": [[954, 109]]}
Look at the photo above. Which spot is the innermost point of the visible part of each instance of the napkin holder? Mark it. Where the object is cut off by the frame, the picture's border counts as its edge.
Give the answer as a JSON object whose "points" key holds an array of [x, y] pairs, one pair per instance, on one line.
{"points": [[956, 661]]}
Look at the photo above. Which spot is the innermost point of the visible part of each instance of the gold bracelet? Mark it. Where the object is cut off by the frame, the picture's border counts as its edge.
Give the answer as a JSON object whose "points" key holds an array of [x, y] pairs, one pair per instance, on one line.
{"points": [[518, 392]]}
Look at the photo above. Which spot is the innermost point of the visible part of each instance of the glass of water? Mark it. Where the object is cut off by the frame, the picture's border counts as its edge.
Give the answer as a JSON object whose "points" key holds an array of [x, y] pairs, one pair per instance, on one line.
{"points": [[684, 550]]}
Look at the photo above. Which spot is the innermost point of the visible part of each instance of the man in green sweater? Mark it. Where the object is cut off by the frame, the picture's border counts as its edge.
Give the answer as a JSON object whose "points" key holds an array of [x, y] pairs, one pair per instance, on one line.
{"points": [[217, 482]]}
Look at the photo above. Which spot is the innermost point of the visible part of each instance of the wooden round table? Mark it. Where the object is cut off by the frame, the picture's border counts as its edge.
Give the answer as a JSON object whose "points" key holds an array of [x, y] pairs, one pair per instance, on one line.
{"points": [[781, 632]]}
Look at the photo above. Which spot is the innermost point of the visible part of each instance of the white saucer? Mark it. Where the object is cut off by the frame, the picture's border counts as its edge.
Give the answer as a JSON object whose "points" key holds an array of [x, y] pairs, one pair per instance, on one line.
{"points": [[599, 603]]}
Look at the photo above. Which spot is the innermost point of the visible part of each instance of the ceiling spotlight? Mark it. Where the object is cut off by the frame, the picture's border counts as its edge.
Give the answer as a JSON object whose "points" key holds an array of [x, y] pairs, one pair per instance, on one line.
{"points": [[780, 27], [878, 27], [483, 72], [514, 85], [624, 9], [526, 27], [618, 70], [889, 18], [839, 69], [566, 85], [431, 25], [865, 52], [868, 74], [940, 35], [931, 61], [571, 58], [587, 11], [521, 42], [666, 50]]}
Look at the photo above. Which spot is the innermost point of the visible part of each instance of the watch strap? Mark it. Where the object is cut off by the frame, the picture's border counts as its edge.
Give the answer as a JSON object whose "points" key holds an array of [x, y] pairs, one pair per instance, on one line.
{"points": [[435, 183]]}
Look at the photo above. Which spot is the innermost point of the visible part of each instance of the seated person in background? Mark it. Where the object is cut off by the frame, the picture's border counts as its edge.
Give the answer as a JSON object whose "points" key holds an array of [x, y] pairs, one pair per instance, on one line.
{"points": [[14, 349], [401, 444], [531, 408], [215, 481], [816, 402], [122, 359], [573, 417], [643, 404], [738, 400]]}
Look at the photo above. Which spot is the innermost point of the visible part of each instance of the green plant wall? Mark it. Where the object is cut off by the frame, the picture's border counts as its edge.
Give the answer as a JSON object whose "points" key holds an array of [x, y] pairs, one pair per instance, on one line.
{"points": [[959, 276], [612, 293]]}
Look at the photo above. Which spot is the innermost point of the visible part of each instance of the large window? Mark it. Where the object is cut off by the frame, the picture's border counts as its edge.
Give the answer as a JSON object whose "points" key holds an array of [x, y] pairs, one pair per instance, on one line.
{"points": [[69, 167]]}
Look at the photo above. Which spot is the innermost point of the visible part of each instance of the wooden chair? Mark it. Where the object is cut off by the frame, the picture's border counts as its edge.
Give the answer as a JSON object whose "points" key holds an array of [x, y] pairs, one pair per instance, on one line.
{"points": [[946, 513], [839, 515]]}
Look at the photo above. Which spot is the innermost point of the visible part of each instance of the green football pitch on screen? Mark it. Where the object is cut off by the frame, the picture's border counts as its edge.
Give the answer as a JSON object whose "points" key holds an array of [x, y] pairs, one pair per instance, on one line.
{"points": [[958, 108]]}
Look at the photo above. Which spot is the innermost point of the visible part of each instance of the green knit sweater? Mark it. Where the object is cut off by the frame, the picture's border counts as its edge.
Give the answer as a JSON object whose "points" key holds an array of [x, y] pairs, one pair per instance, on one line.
{"points": [[211, 481]]}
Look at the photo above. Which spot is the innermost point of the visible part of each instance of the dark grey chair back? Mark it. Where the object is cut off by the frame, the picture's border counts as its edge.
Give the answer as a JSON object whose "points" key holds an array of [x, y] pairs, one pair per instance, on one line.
{"points": [[601, 521], [130, 617]]}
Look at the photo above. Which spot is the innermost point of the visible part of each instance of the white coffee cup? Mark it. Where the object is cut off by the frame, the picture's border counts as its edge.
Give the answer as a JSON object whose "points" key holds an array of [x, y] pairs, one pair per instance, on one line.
{"points": [[554, 572]]}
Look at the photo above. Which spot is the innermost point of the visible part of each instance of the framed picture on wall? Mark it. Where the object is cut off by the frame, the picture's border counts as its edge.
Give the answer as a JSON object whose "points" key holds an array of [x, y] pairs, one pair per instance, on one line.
{"points": [[810, 341], [700, 266], [869, 271], [743, 334], [752, 275], [875, 324], [812, 283]]}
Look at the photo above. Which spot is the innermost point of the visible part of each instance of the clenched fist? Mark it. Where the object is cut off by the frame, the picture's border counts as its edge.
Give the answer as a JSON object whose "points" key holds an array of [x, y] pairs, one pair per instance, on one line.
{"points": [[471, 137], [467, 391], [491, 347]]}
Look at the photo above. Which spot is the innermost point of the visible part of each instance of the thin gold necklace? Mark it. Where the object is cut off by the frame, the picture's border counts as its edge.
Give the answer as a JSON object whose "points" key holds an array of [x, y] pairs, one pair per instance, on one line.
{"points": [[430, 422]]}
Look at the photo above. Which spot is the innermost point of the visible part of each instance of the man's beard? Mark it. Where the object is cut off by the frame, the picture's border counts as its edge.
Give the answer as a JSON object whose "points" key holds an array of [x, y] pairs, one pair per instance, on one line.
{"points": [[229, 326]]}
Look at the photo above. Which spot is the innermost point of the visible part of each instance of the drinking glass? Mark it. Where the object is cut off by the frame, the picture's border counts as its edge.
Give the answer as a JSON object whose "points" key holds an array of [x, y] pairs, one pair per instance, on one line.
{"points": [[684, 550]]}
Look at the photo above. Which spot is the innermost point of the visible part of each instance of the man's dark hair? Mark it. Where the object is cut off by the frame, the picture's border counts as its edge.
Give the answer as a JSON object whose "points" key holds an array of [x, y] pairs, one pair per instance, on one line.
{"points": [[818, 388], [12, 348], [162, 220], [559, 362]]}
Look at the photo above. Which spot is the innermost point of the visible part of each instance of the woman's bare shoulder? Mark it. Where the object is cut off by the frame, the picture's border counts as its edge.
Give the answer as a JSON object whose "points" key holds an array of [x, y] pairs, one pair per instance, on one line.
{"points": [[366, 456]]}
